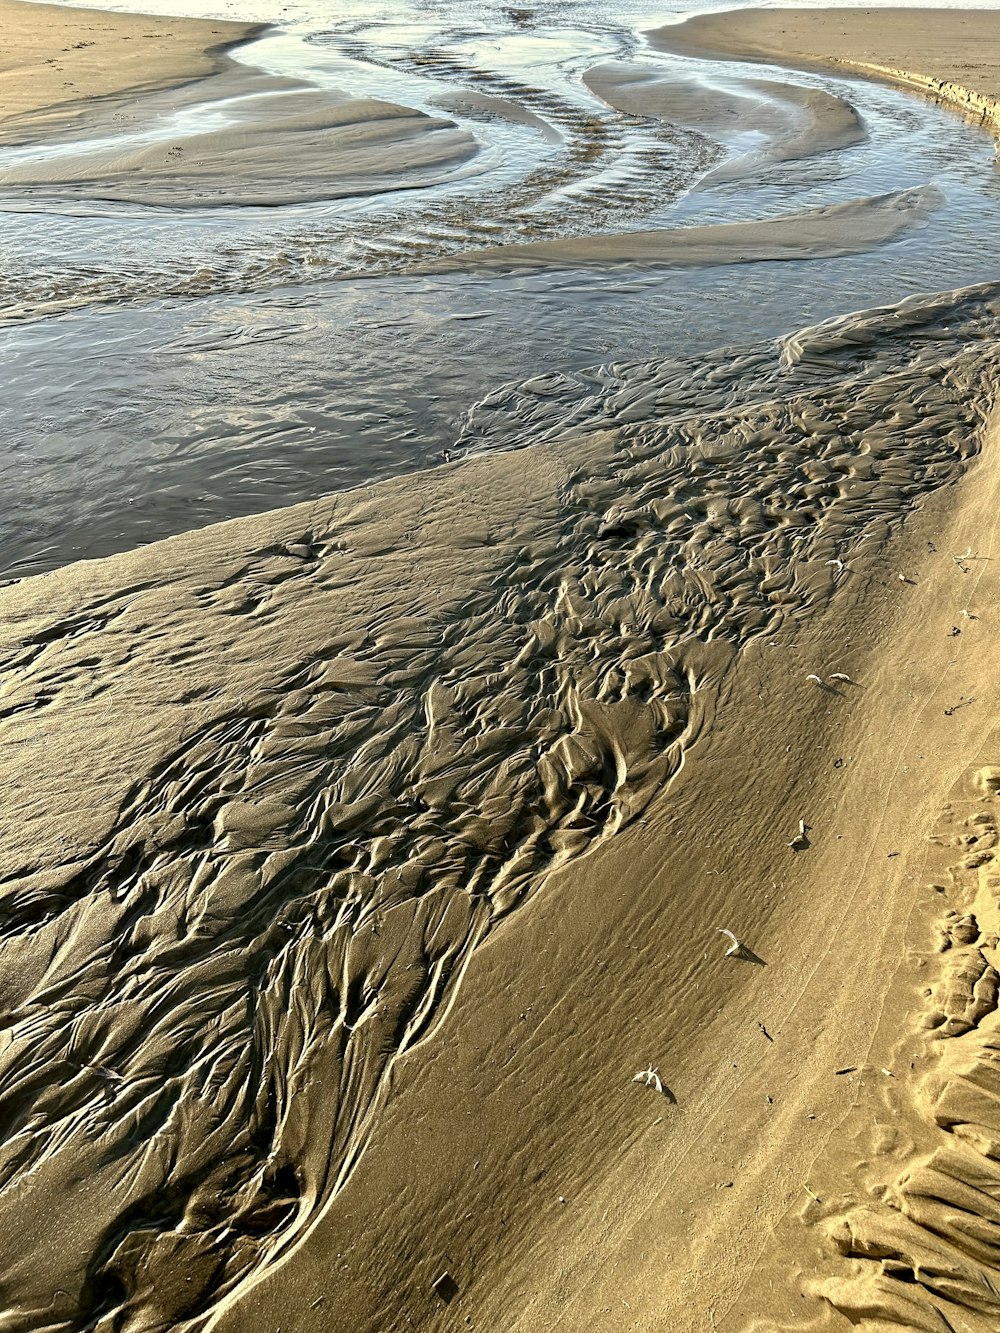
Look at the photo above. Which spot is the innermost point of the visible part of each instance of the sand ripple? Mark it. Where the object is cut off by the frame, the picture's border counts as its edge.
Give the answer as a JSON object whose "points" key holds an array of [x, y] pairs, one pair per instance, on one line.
{"points": [[330, 750]]}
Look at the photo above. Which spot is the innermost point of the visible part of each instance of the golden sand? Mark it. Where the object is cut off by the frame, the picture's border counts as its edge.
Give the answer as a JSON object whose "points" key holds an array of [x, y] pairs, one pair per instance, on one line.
{"points": [[950, 55], [358, 857], [55, 60]]}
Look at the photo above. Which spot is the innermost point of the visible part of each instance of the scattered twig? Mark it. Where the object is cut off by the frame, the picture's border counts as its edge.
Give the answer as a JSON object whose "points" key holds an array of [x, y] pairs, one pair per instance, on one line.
{"points": [[962, 703], [765, 1031], [445, 1287], [102, 1071], [970, 554]]}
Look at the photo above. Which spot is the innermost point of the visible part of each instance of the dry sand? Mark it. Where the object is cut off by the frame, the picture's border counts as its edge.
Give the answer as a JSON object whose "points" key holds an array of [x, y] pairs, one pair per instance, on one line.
{"points": [[948, 54], [356, 858], [269, 787], [54, 60]]}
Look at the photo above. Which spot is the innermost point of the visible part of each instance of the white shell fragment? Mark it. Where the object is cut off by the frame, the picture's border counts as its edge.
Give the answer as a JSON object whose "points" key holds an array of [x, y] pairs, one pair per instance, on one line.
{"points": [[736, 946], [800, 841], [650, 1077]]}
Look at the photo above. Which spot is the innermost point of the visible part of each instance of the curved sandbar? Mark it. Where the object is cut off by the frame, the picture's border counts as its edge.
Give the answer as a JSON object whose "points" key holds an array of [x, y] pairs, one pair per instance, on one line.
{"points": [[280, 142], [783, 121], [120, 129], [814, 233]]}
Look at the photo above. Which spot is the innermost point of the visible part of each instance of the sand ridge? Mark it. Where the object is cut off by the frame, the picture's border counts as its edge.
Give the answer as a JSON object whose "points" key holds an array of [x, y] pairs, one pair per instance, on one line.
{"points": [[286, 143], [424, 806], [815, 233], [793, 121]]}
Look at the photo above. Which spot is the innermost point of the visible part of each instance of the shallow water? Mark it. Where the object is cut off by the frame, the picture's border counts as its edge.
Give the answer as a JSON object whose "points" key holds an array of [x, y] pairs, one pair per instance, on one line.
{"points": [[170, 368]]}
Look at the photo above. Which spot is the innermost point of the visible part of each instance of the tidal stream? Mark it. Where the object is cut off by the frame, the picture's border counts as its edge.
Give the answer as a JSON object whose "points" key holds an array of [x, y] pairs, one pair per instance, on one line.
{"points": [[167, 368]]}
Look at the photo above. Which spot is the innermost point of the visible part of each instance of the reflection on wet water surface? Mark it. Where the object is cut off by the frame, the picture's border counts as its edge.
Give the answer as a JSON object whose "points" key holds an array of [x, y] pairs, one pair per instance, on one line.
{"points": [[168, 368]]}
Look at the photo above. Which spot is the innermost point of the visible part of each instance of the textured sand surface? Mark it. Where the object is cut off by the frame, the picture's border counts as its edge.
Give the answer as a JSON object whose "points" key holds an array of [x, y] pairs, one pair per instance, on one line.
{"points": [[356, 859], [267, 141], [285, 143], [950, 55], [331, 752], [794, 122]]}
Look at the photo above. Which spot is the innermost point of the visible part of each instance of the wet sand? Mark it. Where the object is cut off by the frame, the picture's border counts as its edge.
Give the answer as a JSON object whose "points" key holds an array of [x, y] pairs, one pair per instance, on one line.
{"points": [[367, 872], [107, 133], [794, 122], [285, 143], [832, 229]]}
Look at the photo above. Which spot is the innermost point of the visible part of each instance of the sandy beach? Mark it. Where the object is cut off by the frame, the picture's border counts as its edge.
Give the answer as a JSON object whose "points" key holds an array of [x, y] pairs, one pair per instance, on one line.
{"points": [[947, 54], [55, 62], [556, 889], [833, 229]]}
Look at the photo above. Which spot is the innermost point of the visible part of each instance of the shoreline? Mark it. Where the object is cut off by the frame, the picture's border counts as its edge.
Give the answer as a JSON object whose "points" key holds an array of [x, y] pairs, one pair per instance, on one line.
{"points": [[928, 51], [282, 140], [239, 696], [852, 227]]}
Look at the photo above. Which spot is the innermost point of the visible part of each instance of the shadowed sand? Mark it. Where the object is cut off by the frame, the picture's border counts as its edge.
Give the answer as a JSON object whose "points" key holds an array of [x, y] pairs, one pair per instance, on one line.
{"points": [[357, 857], [271, 140], [331, 752]]}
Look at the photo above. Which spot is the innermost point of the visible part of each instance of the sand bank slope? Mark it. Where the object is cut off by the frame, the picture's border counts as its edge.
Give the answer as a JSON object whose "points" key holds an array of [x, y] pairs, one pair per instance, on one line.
{"points": [[240, 137], [787, 121], [279, 142], [53, 60], [951, 55], [330, 752], [832, 229], [564, 1195]]}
